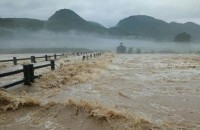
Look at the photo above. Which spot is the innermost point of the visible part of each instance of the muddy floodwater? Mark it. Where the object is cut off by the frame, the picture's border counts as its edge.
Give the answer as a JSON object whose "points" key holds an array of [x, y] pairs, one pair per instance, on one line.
{"points": [[109, 92]]}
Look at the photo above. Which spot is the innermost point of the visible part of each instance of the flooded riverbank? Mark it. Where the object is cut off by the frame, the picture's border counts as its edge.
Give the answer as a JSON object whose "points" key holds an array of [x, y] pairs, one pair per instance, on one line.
{"points": [[120, 92]]}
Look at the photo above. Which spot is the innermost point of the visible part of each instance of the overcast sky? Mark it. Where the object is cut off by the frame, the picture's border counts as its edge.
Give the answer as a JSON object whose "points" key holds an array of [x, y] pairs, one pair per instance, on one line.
{"points": [[107, 12]]}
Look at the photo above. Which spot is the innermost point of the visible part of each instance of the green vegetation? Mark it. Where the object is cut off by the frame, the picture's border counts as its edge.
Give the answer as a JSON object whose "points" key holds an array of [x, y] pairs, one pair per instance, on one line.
{"points": [[138, 51], [66, 20], [182, 37], [197, 52], [29, 24], [146, 27], [4, 33], [130, 50], [139, 26], [153, 52]]}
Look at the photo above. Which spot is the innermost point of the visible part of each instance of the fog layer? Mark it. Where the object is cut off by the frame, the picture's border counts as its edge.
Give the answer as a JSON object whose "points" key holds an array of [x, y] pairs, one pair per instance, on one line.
{"points": [[46, 39]]}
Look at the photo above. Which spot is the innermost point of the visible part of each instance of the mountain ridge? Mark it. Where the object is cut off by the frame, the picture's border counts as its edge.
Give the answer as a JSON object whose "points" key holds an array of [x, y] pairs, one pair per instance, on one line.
{"points": [[138, 26]]}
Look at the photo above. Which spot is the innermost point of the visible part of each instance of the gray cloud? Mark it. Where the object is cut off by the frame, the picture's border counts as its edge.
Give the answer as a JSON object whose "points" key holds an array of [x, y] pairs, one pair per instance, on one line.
{"points": [[107, 12]]}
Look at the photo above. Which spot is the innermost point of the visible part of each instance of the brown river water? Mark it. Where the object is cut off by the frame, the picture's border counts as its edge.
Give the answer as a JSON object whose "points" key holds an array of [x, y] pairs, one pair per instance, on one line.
{"points": [[110, 92]]}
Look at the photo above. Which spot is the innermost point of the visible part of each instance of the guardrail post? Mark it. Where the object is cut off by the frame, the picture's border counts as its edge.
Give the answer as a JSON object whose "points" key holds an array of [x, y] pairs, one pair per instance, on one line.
{"points": [[83, 58], [26, 75], [46, 58], [52, 65], [31, 70], [14, 60], [33, 59], [55, 56]]}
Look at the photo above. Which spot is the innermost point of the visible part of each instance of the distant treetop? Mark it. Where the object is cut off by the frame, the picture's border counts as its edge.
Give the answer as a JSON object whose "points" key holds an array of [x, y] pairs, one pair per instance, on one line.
{"points": [[182, 37]]}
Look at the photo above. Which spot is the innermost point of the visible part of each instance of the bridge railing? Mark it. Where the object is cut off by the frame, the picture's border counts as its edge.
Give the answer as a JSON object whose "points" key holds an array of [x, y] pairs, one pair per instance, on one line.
{"points": [[32, 58], [28, 71]]}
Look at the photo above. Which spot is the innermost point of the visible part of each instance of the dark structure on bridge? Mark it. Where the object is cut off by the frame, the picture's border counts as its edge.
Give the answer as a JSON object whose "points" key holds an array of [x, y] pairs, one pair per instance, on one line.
{"points": [[121, 48]]}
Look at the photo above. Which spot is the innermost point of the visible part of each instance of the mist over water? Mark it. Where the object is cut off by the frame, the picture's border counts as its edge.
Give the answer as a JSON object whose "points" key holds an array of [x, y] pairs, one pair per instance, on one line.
{"points": [[73, 39]]}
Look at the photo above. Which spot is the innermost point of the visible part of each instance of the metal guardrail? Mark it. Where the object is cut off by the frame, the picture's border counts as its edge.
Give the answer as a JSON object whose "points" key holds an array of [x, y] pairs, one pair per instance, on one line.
{"points": [[5, 60], [11, 73], [28, 71], [32, 58], [13, 84], [87, 56]]}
